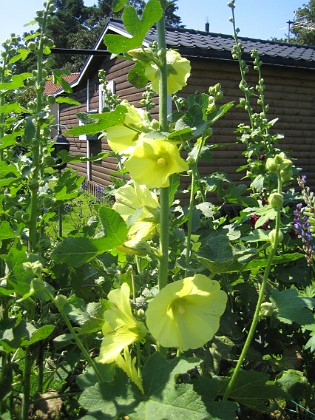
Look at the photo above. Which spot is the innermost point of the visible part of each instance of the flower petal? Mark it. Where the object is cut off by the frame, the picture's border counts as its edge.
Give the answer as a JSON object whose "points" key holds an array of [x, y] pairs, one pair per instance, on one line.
{"points": [[152, 162], [186, 313]]}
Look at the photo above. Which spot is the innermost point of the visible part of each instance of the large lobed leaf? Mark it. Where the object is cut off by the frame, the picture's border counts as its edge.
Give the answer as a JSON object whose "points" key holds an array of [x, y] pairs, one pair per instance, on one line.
{"points": [[78, 251], [135, 26], [163, 397]]}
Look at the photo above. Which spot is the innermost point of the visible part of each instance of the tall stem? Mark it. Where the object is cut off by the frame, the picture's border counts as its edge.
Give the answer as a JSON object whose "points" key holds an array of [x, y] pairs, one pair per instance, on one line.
{"points": [[194, 176], [258, 305], [59, 306], [38, 142], [164, 194], [27, 383]]}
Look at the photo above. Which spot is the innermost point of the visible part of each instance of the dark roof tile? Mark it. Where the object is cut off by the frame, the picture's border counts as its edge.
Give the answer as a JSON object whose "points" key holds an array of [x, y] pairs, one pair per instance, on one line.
{"points": [[219, 46]]}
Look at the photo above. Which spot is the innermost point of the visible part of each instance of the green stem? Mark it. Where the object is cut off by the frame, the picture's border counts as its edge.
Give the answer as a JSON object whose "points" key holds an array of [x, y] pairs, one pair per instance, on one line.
{"points": [[40, 364], [2, 101], [261, 296], [27, 383], [164, 238], [81, 346], [194, 175], [37, 146], [244, 84], [190, 217], [164, 194], [75, 336]]}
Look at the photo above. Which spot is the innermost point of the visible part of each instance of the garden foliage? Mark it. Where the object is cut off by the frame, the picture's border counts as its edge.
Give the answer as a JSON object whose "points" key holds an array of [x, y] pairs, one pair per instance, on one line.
{"points": [[161, 305]]}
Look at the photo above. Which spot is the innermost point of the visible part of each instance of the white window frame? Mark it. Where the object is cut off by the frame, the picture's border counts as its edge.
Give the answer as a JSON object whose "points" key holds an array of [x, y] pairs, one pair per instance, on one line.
{"points": [[102, 93]]}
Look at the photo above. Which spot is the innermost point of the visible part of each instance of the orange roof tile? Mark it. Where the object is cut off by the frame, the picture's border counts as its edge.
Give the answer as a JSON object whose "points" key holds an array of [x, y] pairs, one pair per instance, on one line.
{"points": [[51, 89]]}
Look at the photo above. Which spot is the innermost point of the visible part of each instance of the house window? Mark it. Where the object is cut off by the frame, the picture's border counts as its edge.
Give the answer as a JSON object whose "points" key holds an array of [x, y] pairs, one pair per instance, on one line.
{"points": [[102, 93]]}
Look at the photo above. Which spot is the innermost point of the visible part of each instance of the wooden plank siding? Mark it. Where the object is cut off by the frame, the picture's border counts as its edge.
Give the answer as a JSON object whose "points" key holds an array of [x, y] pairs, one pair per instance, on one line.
{"points": [[290, 93]]}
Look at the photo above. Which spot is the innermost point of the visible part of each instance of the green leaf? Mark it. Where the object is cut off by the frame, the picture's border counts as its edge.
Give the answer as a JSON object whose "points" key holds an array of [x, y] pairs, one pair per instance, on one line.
{"points": [[16, 83], [40, 334], [278, 259], [311, 342], [89, 379], [58, 79], [111, 401], [219, 113], [118, 5], [257, 235], [219, 256], [136, 27], [8, 173], [68, 186], [9, 139], [164, 398], [30, 129], [194, 116], [6, 231], [137, 77], [12, 107], [67, 158], [103, 121], [219, 410], [254, 390], [69, 101], [17, 278], [78, 251], [89, 317], [290, 307], [23, 54], [294, 383], [113, 224]]}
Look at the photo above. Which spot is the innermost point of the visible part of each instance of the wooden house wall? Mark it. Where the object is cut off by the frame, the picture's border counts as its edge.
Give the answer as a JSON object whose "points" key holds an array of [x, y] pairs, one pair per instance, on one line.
{"points": [[290, 93], [117, 70]]}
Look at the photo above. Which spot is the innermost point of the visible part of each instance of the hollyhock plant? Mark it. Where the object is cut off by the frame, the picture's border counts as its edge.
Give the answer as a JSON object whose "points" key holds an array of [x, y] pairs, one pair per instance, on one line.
{"points": [[186, 314], [153, 161], [120, 329], [140, 208]]}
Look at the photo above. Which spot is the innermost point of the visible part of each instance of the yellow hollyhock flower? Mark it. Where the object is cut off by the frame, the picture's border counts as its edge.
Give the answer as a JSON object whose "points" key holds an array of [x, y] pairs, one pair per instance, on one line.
{"points": [[140, 208], [153, 161], [120, 329], [121, 137], [178, 71], [186, 314]]}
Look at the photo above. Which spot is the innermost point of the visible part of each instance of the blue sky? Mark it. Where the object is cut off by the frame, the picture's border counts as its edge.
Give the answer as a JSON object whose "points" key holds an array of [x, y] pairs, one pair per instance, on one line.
{"points": [[255, 18]]}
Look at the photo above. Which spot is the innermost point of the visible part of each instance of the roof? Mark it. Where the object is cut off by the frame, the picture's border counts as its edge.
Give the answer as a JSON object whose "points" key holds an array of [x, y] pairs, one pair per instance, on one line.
{"points": [[51, 89], [214, 46]]}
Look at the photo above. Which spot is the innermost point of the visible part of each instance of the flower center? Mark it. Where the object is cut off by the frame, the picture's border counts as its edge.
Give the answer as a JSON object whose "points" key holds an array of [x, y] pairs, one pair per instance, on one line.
{"points": [[161, 162], [178, 306]]}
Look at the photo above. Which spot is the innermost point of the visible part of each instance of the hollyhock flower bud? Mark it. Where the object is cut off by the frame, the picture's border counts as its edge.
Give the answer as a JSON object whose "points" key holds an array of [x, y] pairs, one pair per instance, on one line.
{"points": [[276, 200], [272, 237], [280, 165]]}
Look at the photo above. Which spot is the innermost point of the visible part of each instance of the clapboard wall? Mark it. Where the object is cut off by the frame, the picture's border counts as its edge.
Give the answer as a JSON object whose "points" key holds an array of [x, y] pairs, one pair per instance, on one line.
{"points": [[290, 93]]}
